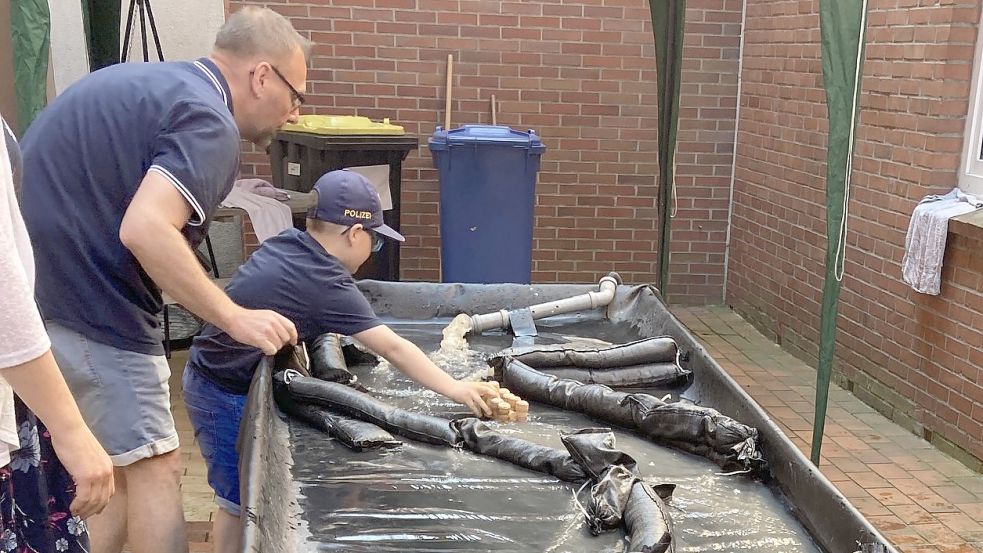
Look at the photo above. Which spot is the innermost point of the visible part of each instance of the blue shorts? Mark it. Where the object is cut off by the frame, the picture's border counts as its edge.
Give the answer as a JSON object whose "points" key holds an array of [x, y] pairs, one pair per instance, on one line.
{"points": [[215, 415]]}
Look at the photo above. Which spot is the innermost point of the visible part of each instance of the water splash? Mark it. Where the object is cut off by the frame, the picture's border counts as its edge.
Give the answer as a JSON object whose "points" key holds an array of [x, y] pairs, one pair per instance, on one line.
{"points": [[454, 334], [454, 357]]}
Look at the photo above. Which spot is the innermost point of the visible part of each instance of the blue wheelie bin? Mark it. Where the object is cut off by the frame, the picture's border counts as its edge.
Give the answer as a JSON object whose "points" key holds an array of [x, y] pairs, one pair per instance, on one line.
{"points": [[487, 196]]}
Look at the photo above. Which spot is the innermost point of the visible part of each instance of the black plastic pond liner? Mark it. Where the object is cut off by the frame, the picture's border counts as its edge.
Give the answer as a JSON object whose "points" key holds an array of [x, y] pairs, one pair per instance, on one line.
{"points": [[291, 386], [355, 434], [282, 495], [590, 456], [696, 429], [328, 360]]}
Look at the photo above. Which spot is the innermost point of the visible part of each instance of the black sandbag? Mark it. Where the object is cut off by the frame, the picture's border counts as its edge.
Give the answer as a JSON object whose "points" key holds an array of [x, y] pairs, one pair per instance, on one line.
{"points": [[647, 521], [353, 403], [480, 438], [608, 499], [328, 360], [355, 434], [640, 352], [355, 353], [692, 428], [593, 400], [291, 357], [594, 449], [656, 375], [651, 362], [698, 430], [615, 474], [612, 472]]}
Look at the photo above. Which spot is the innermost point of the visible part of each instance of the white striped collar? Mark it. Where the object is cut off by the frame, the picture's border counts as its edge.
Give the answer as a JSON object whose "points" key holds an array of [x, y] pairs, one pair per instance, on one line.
{"points": [[217, 80]]}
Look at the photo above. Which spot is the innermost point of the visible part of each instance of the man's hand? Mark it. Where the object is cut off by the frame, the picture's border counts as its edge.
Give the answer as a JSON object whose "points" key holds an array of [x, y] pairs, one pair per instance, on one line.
{"points": [[472, 394], [89, 466], [261, 328]]}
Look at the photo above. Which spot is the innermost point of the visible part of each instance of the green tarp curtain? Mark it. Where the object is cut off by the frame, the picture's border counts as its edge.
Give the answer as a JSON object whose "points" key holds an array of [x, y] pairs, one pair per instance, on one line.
{"points": [[30, 30], [667, 25], [842, 34]]}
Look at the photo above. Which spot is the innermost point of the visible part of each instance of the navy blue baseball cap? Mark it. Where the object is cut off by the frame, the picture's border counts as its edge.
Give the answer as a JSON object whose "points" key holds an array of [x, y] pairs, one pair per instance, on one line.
{"points": [[347, 198]]}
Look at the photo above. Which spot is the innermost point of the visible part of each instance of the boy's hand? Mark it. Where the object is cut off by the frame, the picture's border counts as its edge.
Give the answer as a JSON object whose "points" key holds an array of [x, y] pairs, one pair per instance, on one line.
{"points": [[471, 394]]}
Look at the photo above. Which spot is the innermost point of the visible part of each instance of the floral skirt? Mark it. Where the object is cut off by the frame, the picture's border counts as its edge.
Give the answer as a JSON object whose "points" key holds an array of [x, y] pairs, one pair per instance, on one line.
{"points": [[35, 492]]}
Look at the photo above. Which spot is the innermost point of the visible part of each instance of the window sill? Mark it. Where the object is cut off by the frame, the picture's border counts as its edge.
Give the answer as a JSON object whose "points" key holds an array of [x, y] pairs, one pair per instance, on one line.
{"points": [[968, 225]]}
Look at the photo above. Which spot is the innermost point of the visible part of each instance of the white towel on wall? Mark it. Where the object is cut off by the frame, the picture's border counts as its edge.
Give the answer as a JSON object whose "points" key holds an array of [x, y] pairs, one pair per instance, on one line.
{"points": [[268, 216], [921, 267]]}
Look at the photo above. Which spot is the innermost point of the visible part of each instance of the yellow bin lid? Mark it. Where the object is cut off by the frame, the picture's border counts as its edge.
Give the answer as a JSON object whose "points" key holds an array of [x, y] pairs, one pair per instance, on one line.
{"points": [[342, 125]]}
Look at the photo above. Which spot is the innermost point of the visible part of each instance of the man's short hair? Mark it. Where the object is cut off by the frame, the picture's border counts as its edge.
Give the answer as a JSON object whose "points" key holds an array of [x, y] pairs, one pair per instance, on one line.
{"points": [[254, 32]]}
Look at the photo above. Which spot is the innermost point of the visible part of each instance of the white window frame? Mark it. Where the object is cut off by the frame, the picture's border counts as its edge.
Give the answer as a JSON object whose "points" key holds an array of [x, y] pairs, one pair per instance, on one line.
{"points": [[970, 173]]}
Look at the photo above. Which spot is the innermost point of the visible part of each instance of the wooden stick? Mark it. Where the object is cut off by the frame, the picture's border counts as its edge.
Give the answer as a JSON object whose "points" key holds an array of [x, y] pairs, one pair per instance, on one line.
{"points": [[494, 108], [447, 102]]}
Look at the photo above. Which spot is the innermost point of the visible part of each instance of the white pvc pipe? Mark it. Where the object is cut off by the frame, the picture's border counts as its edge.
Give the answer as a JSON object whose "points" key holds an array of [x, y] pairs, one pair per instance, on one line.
{"points": [[591, 300]]}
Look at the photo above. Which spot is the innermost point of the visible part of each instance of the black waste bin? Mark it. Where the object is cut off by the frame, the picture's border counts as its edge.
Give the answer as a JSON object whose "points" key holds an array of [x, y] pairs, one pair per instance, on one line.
{"points": [[299, 157]]}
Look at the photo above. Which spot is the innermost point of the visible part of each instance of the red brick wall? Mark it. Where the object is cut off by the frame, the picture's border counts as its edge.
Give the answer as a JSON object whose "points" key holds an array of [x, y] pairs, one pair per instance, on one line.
{"points": [[705, 150], [914, 357], [582, 74]]}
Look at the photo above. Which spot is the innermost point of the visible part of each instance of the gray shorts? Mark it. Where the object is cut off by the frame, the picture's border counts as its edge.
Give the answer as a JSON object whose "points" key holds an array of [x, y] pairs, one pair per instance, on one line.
{"points": [[124, 396]]}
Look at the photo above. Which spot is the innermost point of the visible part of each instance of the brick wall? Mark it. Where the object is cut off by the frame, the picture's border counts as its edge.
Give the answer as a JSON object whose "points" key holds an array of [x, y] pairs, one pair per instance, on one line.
{"points": [[914, 357], [705, 150], [582, 74]]}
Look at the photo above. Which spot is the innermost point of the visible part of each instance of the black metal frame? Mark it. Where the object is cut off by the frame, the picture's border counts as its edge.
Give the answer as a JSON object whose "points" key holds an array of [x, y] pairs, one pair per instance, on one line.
{"points": [[146, 14]]}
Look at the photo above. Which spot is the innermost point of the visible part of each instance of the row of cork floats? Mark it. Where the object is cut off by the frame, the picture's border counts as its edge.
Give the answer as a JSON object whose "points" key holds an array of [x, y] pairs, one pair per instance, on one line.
{"points": [[507, 407]]}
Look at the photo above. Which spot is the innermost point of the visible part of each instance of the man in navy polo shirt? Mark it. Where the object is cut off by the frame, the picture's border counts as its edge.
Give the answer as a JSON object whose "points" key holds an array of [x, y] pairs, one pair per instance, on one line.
{"points": [[307, 276], [124, 172]]}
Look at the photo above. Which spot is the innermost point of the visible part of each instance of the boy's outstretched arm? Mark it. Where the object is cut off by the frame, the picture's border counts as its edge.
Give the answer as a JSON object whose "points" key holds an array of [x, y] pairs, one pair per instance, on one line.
{"points": [[411, 361]]}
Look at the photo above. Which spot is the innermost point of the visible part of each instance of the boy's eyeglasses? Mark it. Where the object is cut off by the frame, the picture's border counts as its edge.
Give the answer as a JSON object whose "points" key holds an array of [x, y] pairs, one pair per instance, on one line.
{"points": [[377, 240]]}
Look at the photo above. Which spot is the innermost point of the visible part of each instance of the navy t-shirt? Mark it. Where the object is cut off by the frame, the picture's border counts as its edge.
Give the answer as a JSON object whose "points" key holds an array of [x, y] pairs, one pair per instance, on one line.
{"points": [[293, 275], [84, 158]]}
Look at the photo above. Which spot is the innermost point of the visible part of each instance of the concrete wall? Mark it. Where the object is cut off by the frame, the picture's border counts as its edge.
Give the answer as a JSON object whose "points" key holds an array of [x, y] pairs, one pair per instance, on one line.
{"points": [[186, 27], [69, 58], [179, 38]]}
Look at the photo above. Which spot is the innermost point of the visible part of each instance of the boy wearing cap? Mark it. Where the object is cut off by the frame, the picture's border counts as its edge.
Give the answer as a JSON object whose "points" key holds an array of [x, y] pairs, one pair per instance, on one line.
{"points": [[307, 277]]}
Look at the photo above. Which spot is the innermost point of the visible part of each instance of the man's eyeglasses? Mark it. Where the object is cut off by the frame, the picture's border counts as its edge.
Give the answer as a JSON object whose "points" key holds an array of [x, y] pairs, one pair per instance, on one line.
{"points": [[377, 240], [298, 98]]}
